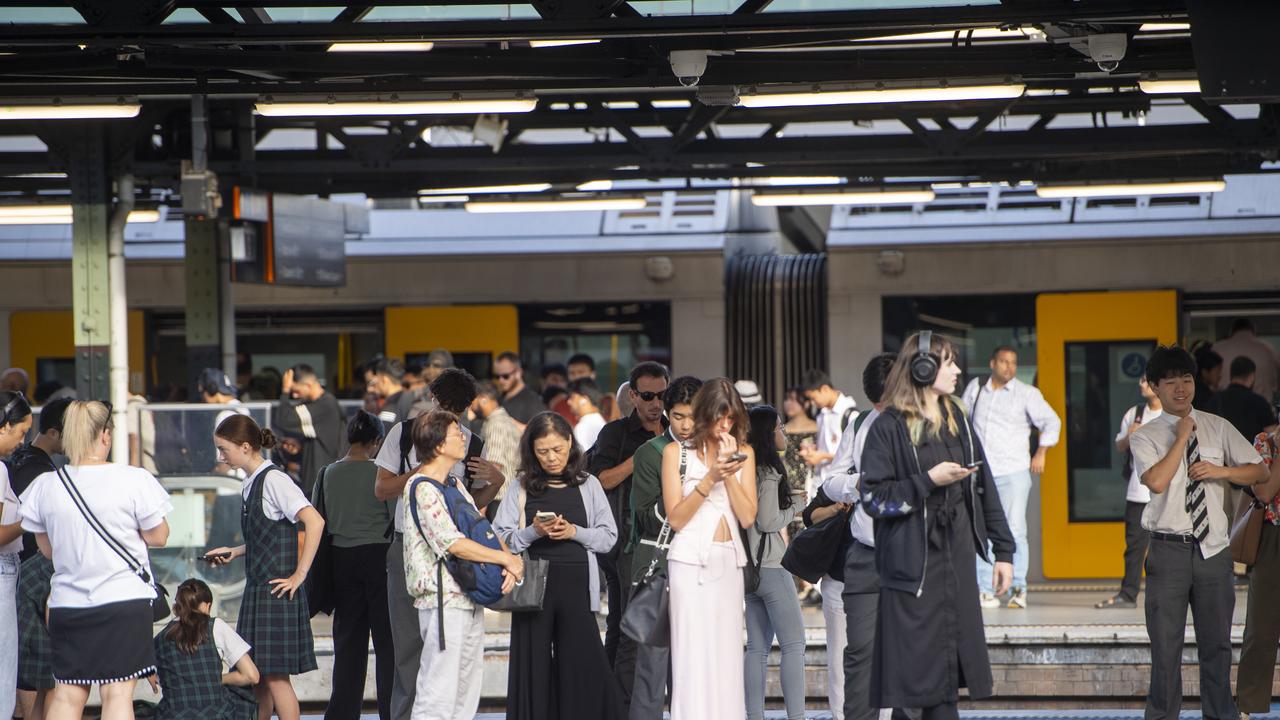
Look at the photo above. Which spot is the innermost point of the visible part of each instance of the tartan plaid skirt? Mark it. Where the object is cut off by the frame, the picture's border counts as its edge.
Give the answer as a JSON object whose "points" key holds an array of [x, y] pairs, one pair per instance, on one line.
{"points": [[278, 630]]}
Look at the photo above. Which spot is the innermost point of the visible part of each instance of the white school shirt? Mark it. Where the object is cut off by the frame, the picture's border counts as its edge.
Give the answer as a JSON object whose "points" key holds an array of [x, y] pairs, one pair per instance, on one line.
{"points": [[829, 432], [842, 484], [12, 511], [282, 499], [588, 429], [1219, 443], [231, 647], [1003, 420], [87, 572], [389, 459], [1136, 492]]}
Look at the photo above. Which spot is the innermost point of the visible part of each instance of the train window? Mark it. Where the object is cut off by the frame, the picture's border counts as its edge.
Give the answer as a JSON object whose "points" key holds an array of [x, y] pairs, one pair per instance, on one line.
{"points": [[616, 335], [1102, 384], [977, 323]]}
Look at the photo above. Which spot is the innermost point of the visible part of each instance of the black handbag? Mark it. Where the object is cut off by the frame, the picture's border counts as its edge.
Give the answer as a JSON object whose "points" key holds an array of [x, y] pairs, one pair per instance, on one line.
{"points": [[819, 549], [647, 619], [160, 603], [321, 597], [751, 571], [527, 595]]}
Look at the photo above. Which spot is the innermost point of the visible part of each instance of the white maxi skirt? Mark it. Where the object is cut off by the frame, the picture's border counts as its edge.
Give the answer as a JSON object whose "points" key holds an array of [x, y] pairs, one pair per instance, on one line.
{"points": [[707, 629]]}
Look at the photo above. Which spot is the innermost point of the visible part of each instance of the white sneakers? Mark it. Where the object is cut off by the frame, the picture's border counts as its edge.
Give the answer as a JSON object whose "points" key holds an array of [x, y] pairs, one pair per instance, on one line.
{"points": [[1017, 600]]}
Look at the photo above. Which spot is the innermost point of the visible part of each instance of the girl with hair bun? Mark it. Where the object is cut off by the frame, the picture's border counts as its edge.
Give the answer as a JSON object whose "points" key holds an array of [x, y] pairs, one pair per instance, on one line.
{"points": [[360, 527], [274, 618], [204, 667]]}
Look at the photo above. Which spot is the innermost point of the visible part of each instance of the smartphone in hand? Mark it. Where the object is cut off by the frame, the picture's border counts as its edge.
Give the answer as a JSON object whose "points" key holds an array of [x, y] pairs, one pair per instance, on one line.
{"points": [[738, 457], [544, 516], [215, 557], [974, 465]]}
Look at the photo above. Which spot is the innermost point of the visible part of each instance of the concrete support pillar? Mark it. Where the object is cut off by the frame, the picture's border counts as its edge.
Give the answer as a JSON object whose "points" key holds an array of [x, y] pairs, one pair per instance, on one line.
{"points": [[90, 286], [204, 304]]}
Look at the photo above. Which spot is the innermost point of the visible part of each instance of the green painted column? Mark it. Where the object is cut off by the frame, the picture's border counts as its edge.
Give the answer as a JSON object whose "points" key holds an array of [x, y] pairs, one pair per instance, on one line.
{"points": [[91, 197], [204, 315]]}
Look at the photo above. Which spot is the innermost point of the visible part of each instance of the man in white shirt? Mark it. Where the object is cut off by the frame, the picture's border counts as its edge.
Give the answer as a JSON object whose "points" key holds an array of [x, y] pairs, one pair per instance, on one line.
{"points": [[836, 414], [1003, 410], [1187, 459], [1136, 498], [861, 593], [584, 403]]}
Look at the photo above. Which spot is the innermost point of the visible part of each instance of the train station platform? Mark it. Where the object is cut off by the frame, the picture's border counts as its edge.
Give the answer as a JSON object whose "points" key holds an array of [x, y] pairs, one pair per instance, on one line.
{"points": [[1060, 655]]}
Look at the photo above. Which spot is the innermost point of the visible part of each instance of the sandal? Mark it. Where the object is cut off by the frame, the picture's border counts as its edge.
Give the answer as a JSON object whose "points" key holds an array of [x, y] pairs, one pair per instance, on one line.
{"points": [[1116, 601]]}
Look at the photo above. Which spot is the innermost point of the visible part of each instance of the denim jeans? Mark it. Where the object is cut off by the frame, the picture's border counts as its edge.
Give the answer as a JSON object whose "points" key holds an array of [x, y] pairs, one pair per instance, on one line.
{"points": [[8, 633], [774, 609], [1014, 490]]}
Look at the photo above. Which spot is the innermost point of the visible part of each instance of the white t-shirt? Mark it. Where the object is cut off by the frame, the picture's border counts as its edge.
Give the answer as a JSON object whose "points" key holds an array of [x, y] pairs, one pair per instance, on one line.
{"points": [[231, 647], [282, 499], [1136, 492], [389, 459], [12, 511], [588, 429], [87, 572]]}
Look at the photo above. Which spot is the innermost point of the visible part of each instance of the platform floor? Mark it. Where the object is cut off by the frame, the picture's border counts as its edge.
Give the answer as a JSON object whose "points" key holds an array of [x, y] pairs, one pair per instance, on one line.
{"points": [[1098, 714]]}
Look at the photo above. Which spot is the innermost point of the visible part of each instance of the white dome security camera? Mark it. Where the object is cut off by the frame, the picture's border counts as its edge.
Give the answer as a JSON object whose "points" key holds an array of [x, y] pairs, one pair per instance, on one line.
{"points": [[1108, 50], [688, 65]]}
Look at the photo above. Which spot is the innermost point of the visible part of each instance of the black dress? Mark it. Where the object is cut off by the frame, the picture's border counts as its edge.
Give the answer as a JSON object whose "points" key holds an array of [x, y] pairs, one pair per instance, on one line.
{"points": [[929, 646], [558, 665]]}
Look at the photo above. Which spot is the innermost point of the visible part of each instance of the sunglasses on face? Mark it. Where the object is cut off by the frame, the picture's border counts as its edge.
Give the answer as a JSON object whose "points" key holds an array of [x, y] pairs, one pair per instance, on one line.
{"points": [[647, 395], [504, 376]]}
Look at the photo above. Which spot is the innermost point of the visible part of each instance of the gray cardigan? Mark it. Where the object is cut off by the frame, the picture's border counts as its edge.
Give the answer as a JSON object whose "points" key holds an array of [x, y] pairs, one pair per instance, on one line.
{"points": [[599, 538], [769, 519]]}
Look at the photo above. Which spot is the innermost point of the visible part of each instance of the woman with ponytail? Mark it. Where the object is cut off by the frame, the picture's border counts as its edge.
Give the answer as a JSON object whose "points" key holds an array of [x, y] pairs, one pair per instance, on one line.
{"points": [[274, 618], [99, 608], [204, 667], [14, 424]]}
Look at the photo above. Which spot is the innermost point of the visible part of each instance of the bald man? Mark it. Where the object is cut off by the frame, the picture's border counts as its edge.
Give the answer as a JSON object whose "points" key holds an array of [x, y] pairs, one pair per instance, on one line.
{"points": [[15, 380]]}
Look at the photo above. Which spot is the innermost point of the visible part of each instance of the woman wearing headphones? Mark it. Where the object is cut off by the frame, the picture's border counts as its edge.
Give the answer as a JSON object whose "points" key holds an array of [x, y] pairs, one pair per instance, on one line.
{"points": [[925, 481]]}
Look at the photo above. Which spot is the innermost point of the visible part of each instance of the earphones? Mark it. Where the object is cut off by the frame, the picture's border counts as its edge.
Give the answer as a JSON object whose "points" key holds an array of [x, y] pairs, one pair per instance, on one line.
{"points": [[925, 365]]}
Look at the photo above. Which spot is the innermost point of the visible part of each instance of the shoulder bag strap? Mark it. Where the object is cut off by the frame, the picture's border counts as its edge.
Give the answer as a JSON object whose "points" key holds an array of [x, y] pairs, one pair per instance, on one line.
{"points": [[98, 528]]}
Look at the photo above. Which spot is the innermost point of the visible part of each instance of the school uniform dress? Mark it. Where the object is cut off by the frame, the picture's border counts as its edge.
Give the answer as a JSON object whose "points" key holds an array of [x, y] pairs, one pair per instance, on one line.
{"points": [[277, 628], [706, 607], [99, 609], [35, 655], [191, 683], [8, 598], [558, 666]]}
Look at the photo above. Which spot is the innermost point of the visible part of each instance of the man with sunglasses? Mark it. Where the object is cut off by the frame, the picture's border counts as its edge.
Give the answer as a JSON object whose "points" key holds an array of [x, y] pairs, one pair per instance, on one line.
{"points": [[518, 399], [610, 460]]}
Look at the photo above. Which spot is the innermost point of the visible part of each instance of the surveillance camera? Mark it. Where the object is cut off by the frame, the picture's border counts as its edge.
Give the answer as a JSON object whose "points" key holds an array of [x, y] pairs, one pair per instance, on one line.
{"points": [[1108, 50], [688, 65]]}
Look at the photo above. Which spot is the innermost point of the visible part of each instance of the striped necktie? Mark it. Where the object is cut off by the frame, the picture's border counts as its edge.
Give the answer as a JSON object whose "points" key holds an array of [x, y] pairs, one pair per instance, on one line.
{"points": [[1197, 508]]}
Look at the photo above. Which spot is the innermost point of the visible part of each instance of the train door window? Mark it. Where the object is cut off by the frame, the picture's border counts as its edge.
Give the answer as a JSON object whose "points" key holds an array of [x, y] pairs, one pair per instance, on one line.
{"points": [[977, 323], [479, 364], [615, 335], [1102, 383]]}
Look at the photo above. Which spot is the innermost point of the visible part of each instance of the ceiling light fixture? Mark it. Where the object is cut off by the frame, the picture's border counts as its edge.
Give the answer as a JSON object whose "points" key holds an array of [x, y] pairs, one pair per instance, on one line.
{"points": [[560, 43], [1183, 86], [852, 197], [791, 181], [1180, 187], [596, 186], [58, 215], [949, 93], [987, 33], [670, 104], [337, 106], [488, 189], [1165, 27], [81, 109], [393, 46], [596, 204], [442, 199]]}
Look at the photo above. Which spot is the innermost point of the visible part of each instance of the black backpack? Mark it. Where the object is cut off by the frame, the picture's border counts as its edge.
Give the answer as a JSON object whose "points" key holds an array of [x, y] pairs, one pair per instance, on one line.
{"points": [[1128, 457], [474, 448]]}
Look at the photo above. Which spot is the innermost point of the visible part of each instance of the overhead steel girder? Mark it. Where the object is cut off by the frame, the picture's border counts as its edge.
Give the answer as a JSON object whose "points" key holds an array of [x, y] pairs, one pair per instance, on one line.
{"points": [[763, 26]]}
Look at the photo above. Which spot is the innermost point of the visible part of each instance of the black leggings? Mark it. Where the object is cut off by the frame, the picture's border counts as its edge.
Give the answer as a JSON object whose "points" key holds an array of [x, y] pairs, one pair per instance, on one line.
{"points": [[558, 665], [360, 600]]}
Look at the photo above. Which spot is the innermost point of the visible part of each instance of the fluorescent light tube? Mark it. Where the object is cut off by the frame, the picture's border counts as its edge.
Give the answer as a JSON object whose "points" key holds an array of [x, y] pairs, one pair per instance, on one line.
{"points": [[987, 33], [886, 197], [59, 215], [559, 43], [1165, 27], [394, 46], [339, 108], [887, 95], [789, 181], [1190, 187], [1185, 86], [517, 206], [596, 186], [670, 104], [95, 111], [441, 199], [490, 189]]}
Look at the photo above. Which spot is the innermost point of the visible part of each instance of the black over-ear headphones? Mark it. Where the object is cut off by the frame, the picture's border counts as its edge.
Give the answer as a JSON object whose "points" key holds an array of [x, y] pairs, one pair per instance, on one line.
{"points": [[924, 366]]}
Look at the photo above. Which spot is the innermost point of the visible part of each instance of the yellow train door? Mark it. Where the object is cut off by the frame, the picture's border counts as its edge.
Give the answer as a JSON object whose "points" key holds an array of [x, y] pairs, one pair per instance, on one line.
{"points": [[1092, 349]]}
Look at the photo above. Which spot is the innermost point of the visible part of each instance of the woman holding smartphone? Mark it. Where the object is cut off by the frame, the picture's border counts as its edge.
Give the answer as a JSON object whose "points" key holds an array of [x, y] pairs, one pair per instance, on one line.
{"points": [[559, 513], [935, 505], [709, 493]]}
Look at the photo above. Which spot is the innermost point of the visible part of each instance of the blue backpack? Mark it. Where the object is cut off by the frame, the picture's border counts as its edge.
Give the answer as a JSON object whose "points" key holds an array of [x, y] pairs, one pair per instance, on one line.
{"points": [[482, 582]]}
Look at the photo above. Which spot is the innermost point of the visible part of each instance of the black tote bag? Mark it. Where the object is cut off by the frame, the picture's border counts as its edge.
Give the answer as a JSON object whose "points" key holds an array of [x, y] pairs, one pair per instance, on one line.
{"points": [[819, 549]]}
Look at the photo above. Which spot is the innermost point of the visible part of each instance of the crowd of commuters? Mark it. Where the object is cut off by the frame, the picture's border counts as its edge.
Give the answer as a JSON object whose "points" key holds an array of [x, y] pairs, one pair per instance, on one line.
{"points": [[411, 505]]}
